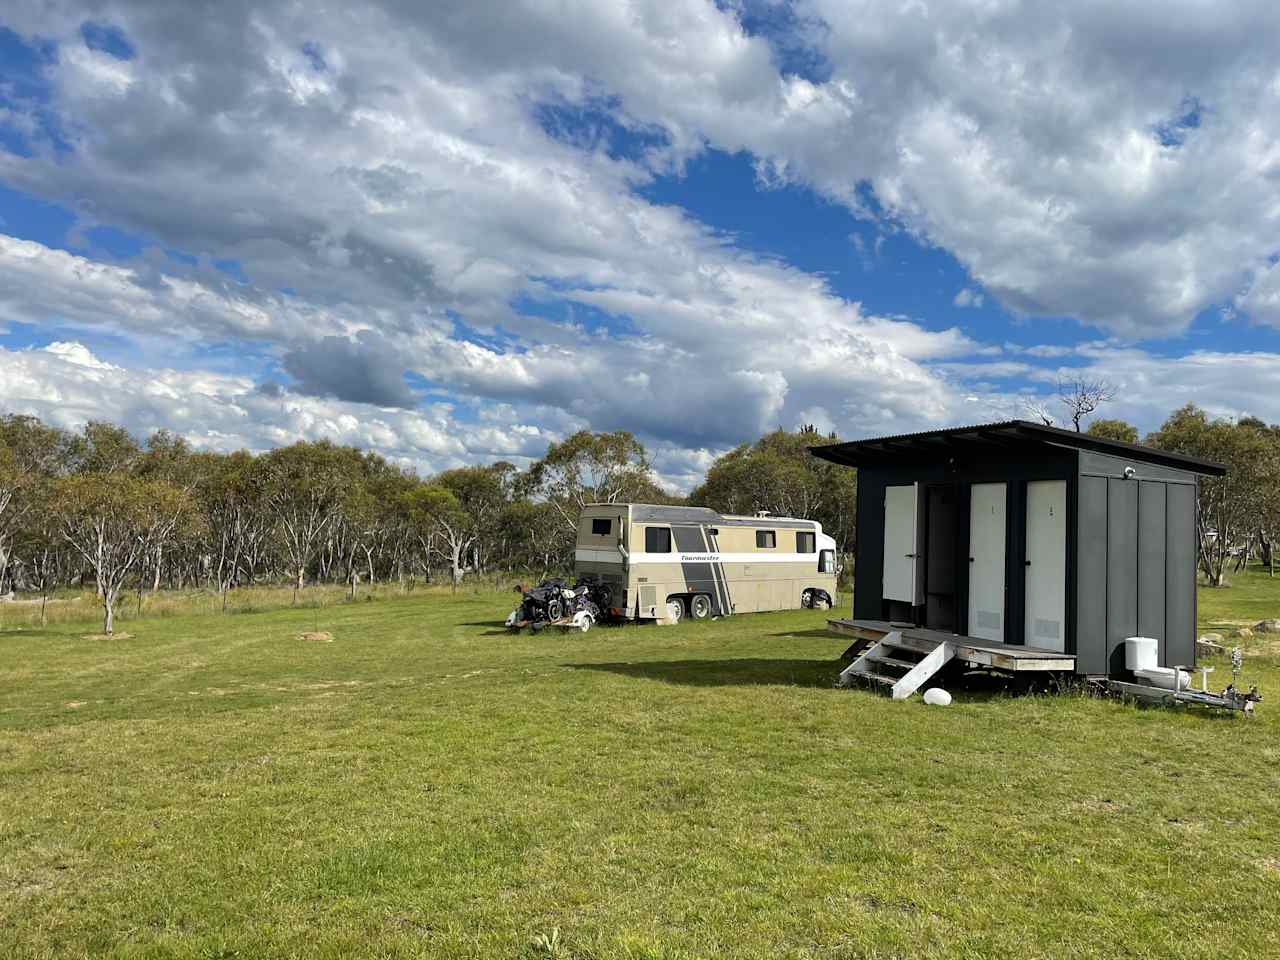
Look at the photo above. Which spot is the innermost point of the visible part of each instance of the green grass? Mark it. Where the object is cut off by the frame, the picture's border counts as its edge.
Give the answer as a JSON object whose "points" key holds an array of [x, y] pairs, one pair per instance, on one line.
{"points": [[71, 605], [428, 786], [1252, 596]]}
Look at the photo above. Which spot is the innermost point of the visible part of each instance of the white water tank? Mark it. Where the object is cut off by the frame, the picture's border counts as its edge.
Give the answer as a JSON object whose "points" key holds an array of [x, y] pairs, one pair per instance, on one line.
{"points": [[1141, 653]]}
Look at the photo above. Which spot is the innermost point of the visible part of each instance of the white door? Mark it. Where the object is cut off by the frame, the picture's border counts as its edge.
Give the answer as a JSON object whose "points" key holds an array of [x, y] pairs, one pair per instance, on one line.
{"points": [[900, 543], [1046, 596], [986, 561]]}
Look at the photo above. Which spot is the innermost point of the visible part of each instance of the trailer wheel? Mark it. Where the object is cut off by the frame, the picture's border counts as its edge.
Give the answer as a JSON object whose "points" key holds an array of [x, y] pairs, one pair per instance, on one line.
{"points": [[699, 606], [584, 621], [675, 609]]}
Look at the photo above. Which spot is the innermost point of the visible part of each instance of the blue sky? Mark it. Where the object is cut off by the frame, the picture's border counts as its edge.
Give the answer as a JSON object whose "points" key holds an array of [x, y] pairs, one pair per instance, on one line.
{"points": [[694, 221]]}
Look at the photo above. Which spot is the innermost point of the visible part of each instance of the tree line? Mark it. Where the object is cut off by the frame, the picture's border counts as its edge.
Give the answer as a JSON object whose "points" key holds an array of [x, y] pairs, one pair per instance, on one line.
{"points": [[98, 507]]}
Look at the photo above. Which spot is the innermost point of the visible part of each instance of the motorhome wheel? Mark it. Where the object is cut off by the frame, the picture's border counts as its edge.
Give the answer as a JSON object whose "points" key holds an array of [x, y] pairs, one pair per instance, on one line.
{"points": [[700, 606]]}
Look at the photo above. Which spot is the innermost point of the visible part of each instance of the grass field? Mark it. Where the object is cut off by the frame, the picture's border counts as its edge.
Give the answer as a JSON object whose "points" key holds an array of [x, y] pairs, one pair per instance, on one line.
{"points": [[427, 786]]}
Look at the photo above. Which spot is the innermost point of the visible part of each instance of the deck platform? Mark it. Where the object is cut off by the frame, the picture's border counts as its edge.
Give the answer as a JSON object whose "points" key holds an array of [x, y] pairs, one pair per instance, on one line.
{"points": [[1001, 656]]}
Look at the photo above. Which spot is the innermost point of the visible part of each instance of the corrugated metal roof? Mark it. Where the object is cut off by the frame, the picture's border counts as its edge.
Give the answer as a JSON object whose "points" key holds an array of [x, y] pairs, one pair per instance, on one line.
{"points": [[1009, 433]]}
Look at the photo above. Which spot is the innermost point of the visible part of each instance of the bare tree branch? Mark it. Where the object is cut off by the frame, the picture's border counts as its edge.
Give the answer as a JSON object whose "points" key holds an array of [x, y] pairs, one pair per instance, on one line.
{"points": [[1082, 397]]}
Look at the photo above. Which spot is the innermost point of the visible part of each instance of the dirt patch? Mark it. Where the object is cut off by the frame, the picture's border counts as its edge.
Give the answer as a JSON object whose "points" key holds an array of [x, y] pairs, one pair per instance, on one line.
{"points": [[1101, 805], [107, 636], [75, 704], [1270, 865], [318, 636], [876, 904]]}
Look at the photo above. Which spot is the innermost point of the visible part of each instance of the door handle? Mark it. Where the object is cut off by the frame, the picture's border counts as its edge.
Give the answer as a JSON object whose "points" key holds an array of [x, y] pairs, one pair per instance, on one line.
{"points": [[1026, 563], [971, 559]]}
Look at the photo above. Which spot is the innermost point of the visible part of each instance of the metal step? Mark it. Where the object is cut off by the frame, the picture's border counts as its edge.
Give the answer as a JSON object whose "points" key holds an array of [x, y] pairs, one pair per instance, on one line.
{"points": [[892, 661], [882, 656], [879, 678], [914, 644]]}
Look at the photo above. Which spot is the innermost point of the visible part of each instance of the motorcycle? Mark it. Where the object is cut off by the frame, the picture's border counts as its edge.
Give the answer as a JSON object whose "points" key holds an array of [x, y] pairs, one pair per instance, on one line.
{"points": [[555, 602]]}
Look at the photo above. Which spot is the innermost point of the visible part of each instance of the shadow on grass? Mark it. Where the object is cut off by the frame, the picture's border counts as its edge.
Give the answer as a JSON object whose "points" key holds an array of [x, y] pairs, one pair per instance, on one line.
{"points": [[818, 634], [725, 673], [967, 686], [37, 632]]}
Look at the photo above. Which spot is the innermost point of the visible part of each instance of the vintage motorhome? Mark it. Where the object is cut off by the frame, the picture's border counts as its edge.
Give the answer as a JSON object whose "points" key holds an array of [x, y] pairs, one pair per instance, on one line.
{"points": [[665, 563]]}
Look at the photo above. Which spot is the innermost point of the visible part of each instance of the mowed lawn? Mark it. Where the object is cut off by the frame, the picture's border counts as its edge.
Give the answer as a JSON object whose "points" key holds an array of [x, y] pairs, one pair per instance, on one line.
{"points": [[426, 785]]}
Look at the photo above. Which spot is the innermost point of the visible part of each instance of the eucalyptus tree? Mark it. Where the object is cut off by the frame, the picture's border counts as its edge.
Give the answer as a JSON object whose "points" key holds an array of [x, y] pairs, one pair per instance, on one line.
{"points": [[231, 489], [1267, 466], [387, 535], [30, 455], [777, 474], [112, 520], [169, 457], [591, 468], [481, 494], [442, 525], [533, 538], [40, 544], [1228, 506], [1113, 430], [306, 488], [104, 448]]}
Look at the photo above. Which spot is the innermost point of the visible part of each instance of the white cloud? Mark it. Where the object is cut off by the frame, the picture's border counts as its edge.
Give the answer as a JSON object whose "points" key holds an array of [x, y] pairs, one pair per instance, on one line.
{"points": [[67, 385], [400, 179], [1025, 140], [1150, 387], [78, 354]]}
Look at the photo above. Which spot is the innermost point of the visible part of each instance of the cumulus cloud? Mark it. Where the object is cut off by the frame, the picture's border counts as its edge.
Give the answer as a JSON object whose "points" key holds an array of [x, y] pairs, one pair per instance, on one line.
{"points": [[66, 384], [366, 369], [382, 177]]}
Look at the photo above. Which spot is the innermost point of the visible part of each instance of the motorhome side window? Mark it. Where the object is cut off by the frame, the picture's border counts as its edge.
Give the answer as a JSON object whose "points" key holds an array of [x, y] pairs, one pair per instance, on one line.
{"points": [[601, 526], [827, 561], [657, 539], [766, 539], [806, 542]]}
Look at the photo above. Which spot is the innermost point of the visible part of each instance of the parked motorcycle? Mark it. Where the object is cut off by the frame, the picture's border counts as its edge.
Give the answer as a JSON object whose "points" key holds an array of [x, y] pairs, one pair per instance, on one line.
{"points": [[555, 602]]}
